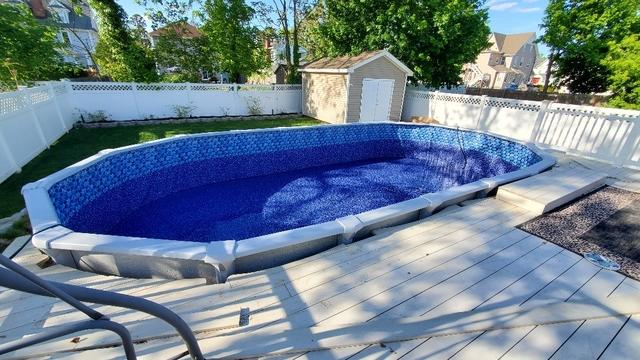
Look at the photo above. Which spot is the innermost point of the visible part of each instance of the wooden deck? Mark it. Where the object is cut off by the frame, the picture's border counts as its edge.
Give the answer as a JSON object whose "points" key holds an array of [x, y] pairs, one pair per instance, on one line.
{"points": [[468, 258]]}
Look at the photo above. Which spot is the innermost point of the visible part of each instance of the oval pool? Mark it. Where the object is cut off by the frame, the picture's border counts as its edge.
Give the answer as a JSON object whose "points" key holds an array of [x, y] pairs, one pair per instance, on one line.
{"points": [[209, 205]]}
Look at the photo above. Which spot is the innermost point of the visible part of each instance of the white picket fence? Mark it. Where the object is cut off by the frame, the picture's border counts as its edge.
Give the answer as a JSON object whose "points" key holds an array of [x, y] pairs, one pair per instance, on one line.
{"points": [[32, 119], [610, 135]]}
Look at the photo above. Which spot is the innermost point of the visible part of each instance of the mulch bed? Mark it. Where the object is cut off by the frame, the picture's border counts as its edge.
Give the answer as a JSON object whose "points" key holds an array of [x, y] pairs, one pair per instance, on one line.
{"points": [[606, 221]]}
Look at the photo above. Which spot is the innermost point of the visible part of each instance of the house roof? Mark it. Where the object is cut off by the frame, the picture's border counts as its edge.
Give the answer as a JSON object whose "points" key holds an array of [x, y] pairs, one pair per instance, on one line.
{"points": [[183, 28], [511, 43], [348, 63]]}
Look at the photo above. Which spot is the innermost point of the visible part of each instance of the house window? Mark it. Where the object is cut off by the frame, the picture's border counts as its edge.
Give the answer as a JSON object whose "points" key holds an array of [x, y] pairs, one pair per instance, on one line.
{"points": [[65, 37]]}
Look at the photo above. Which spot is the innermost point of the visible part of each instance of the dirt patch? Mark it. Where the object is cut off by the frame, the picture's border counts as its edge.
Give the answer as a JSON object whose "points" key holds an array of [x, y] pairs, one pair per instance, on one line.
{"points": [[606, 221]]}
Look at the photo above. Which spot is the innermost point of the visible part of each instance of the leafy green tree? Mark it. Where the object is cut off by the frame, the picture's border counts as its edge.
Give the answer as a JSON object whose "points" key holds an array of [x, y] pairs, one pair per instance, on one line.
{"points": [[118, 54], [232, 40], [579, 32], [434, 38], [179, 45], [28, 49], [623, 61]]}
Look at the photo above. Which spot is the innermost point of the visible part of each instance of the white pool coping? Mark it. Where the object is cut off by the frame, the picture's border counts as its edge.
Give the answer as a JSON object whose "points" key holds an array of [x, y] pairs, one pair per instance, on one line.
{"points": [[53, 238]]}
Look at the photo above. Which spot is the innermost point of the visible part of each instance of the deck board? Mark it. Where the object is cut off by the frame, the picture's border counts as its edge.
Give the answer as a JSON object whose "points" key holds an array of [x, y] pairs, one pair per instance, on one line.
{"points": [[467, 258]]}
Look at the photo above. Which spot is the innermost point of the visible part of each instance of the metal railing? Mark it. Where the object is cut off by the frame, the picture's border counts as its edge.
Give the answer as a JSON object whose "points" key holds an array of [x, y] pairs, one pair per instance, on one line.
{"points": [[29, 282]]}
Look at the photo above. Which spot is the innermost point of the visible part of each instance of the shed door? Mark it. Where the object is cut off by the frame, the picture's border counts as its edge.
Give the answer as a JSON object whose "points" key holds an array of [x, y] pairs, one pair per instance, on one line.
{"points": [[375, 103]]}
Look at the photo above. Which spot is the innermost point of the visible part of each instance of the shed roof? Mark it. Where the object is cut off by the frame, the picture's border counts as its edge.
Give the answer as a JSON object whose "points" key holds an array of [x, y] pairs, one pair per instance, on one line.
{"points": [[348, 63]]}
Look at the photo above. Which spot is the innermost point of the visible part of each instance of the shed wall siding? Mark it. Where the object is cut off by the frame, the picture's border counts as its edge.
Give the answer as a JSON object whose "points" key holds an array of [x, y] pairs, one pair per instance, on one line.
{"points": [[381, 68], [325, 96]]}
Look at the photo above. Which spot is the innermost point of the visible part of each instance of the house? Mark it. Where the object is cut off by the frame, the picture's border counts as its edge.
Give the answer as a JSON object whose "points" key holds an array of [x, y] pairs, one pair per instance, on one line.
{"points": [[184, 29], [539, 73], [78, 30], [368, 87], [276, 51], [509, 61]]}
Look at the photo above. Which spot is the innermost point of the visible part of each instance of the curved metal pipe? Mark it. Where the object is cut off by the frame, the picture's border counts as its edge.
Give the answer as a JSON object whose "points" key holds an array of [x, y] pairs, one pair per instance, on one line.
{"points": [[8, 279], [120, 330]]}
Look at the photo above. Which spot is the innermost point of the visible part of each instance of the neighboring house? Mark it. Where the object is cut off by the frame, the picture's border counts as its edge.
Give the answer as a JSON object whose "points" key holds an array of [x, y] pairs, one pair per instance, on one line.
{"points": [[276, 51], [78, 31], [186, 31], [276, 54], [509, 61], [539, 73]]}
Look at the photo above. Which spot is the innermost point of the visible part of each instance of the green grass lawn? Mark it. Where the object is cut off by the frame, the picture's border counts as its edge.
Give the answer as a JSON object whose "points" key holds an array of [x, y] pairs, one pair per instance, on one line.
{"points": [[81, 143]]}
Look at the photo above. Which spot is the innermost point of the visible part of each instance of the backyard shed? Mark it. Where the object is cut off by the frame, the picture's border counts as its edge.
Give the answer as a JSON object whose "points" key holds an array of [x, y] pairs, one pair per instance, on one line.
{"points": [[368, 87]]}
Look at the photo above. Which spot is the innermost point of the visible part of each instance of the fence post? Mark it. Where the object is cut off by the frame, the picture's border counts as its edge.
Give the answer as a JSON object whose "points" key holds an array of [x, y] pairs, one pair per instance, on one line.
{"points": [[237, 99], [432, 113], [25, 97], [544, 106], [54, 97], [134, 90], [483, 100]]}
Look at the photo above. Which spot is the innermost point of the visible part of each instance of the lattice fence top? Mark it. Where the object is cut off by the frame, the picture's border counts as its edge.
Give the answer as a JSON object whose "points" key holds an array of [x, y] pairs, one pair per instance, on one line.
{"points": [[18, 100], [162, 87], [421, 94], [459, 98], [524, 105], [101, 86], [580, 110], [513, 104], [211, 87], [109, 86]]}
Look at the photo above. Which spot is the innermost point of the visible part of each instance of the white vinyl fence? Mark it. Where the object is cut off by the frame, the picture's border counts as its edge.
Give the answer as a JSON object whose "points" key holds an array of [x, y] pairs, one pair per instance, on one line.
{"points": [[130, 101], [32, 119], [610, 135]]}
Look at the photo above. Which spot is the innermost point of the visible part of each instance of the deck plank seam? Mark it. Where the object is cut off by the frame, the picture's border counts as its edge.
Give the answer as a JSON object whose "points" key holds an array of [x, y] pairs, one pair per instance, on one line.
{"points": [[519, 279], [484, 278], [614, 337], [442, 281]]}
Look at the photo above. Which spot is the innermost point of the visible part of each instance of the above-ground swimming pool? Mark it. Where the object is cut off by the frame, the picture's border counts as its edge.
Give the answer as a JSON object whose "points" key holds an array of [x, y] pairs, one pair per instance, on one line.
{"points": [[210, 205]]}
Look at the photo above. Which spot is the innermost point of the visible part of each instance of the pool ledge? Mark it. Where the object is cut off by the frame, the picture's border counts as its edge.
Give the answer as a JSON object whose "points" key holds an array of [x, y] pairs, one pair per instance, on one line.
{"points": [[215, 261]]}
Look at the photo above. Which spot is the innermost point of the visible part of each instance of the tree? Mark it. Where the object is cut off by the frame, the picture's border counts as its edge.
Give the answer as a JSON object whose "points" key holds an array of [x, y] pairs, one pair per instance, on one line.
{"points": [[310, 38], [178, 44], [623, 61], [117, 54], [434, 38], [579, 32], [231, 39], [28, 49], [138, 27], [288, 17]]}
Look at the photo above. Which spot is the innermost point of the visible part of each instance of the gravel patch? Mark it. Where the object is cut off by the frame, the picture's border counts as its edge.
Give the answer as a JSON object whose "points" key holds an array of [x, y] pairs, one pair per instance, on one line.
{"points": [[604, 221]]}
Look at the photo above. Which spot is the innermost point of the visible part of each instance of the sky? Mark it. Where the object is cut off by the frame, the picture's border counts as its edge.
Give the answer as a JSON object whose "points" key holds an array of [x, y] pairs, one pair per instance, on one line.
{"points": [[505, 16]]}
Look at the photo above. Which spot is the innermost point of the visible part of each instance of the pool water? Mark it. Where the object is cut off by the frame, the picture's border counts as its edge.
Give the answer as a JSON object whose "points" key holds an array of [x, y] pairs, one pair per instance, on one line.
{"points": [[249, 207]]}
